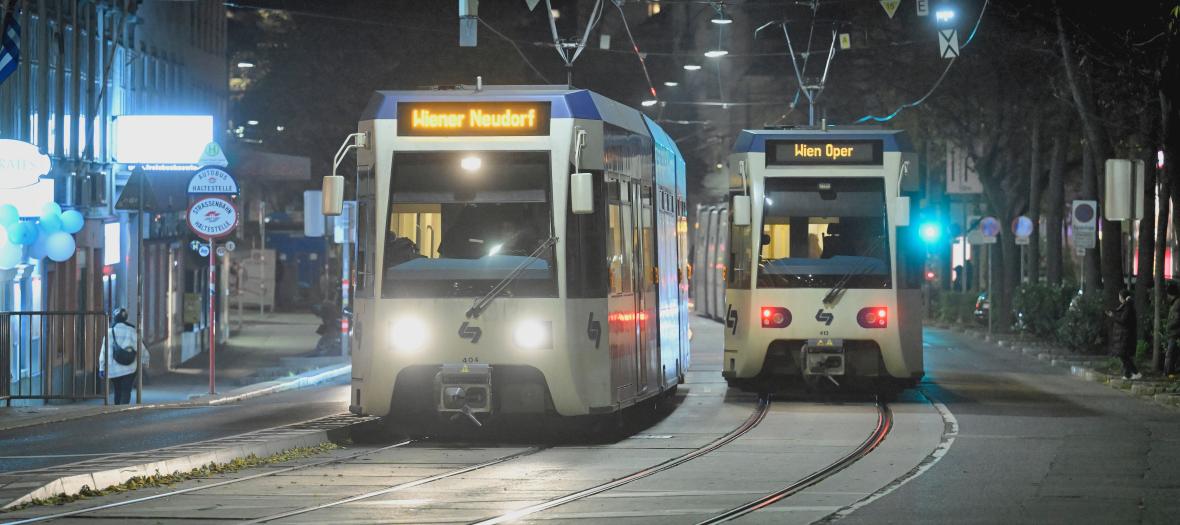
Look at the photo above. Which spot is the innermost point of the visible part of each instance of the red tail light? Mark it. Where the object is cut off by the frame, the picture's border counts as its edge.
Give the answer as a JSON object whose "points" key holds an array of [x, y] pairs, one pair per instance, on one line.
{"points": [[775, 317], [873, 317]]}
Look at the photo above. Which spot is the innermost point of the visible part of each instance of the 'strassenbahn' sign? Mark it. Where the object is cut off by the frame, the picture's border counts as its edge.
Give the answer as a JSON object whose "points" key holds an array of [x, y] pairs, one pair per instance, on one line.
{"points": [[823, 153], [433, 119]]}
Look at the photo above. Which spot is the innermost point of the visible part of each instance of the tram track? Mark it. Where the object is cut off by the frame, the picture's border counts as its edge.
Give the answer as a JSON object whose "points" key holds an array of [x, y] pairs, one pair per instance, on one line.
{"points": [[878, 435], [144, 499], [755, 418]]}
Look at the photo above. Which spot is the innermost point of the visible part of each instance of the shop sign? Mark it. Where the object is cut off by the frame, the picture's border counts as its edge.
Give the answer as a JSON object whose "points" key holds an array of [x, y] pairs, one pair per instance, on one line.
{"points": [[21, 164]]}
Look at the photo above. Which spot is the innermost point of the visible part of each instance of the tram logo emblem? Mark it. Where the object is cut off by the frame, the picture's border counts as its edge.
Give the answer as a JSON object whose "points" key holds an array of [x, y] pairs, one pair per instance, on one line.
{"points": [[594, 330], [824, 317], [470, 332], [731, 319]]}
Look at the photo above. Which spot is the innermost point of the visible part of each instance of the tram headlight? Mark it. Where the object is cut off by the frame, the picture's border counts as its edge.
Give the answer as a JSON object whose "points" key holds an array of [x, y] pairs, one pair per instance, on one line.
{"points": [[408, 334], [532, 334], [873, 317]]}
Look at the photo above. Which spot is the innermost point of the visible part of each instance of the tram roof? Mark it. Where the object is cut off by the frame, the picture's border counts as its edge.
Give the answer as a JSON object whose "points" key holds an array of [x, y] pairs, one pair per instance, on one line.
{"points": [[564, 103], [754, 140]]}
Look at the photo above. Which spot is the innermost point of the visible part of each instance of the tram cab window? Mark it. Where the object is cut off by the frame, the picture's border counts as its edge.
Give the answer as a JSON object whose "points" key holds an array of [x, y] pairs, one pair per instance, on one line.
{"points": [[820, 232], [457, 232]]}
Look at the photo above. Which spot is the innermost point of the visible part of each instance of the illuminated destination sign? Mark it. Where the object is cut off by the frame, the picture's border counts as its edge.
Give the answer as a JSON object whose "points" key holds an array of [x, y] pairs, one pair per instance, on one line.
{"points": [[823, 153], [472, 118]]}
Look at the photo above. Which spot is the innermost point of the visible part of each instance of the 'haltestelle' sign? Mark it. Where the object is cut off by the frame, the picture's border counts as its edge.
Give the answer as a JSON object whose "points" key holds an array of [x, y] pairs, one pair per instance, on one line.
{"points": [[435, 119]]}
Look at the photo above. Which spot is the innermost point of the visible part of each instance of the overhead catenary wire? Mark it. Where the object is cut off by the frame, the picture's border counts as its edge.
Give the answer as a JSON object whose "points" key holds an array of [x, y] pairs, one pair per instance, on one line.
{"points": [[517, 48], [642, 63], [937, 83]]}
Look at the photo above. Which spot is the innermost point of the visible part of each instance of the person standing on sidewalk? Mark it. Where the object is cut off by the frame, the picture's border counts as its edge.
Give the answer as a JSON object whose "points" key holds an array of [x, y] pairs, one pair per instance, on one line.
{"points": [[1122, 334], [120, 347], [1172, 330]]}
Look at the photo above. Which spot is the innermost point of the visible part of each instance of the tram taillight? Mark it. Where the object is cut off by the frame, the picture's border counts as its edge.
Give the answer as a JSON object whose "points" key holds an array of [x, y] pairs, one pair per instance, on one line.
{"points": [[775, 317], [873, 317]]}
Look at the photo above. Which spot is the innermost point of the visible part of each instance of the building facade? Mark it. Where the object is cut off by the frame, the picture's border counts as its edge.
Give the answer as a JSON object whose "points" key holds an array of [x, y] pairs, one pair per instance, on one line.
{"points": [[83, 65]]}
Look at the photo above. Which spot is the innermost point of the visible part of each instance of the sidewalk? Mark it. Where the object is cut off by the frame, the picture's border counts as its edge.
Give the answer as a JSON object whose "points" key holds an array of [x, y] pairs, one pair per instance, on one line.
{"points": [[269, 353]]}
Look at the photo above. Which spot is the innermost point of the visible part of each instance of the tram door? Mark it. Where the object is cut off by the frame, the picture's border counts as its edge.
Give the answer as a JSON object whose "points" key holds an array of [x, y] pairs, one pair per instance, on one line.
{"points": [[646, 298]]}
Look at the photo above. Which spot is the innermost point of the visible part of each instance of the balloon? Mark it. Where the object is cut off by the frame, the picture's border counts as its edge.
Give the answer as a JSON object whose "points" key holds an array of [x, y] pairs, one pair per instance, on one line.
{"points": [[49, 223], [72, 221], [22, 233], [8, 215], [40, 248], [51, 208], [60, 246], [10, 256], [3, 236]]}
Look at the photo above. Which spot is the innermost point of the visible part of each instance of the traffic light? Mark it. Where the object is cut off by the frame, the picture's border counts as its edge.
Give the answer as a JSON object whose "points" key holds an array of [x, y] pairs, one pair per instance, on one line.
{"points": [[930, 231], [931, 275]]}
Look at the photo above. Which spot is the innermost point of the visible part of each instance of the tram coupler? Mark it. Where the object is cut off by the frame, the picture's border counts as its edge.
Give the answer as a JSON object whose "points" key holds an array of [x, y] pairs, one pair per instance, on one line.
{"points": [[823, 357], [464, 390]]}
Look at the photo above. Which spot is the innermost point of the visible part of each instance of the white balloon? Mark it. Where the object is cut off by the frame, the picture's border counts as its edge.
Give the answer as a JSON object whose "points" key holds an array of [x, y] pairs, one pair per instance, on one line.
{"points": [[60, 246], [10, 256]]}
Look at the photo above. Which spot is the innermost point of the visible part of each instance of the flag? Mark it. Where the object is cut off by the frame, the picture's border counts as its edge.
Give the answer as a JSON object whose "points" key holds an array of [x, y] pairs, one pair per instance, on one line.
{"points": [[9, 44]]}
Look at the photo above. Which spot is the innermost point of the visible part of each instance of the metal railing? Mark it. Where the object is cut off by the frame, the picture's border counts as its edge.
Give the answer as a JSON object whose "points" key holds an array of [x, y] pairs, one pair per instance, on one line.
{"points": [[51, 355]]}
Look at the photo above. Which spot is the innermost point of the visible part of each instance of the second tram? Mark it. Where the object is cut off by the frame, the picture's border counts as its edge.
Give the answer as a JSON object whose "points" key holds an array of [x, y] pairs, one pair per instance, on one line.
{"points": [[822, 269]]}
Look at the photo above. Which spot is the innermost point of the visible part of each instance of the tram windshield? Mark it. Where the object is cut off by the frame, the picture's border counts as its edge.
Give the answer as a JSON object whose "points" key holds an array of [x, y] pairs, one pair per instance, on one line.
{"points": [[824, 232], [460, 222]]}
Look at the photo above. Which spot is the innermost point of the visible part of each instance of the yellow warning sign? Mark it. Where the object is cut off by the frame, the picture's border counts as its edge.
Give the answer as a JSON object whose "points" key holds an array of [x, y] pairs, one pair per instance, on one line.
{"points": [[890, 6], [845, 41]]}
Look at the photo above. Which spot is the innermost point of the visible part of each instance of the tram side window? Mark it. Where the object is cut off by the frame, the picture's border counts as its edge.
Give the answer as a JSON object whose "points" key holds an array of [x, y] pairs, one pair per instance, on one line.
{"points": [[740, 255], [586, 248], [366, 232], [617, 257]]}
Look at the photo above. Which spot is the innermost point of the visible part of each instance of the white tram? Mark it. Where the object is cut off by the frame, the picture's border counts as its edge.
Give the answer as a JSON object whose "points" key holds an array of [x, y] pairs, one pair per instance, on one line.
{"points": [[521, 251], [823, 270]]}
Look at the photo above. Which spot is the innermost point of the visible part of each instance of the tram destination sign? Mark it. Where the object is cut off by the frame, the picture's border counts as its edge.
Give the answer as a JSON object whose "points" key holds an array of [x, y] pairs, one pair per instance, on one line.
{"points": [[823, 153], [447, 119]]}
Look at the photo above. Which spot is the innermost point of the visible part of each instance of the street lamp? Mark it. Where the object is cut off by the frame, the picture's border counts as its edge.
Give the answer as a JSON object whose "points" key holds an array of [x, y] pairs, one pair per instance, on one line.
{"points": [[671, 83], [944, 15], [649, 102], [692, 67], [245, 65], [716, 53]]}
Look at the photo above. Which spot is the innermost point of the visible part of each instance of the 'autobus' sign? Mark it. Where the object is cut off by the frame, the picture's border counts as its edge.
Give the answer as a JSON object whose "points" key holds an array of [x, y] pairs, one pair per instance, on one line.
{"points": [[212, 180]]}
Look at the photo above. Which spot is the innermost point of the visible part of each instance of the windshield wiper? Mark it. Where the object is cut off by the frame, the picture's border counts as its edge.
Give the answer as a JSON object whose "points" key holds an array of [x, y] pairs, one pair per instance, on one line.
{"points": [[482, 303], [863, 268]]}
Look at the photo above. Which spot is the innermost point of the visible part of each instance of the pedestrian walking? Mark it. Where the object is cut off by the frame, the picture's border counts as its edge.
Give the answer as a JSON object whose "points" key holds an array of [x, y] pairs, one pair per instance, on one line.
{"points": [[1172, 330], [1122, 334], [119, 348]]}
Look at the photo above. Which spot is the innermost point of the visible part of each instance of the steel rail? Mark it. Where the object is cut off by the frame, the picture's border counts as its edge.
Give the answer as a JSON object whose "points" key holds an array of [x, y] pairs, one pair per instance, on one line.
{"points": [[395, 488], [759, 414], [884, 425], [178, 492]]}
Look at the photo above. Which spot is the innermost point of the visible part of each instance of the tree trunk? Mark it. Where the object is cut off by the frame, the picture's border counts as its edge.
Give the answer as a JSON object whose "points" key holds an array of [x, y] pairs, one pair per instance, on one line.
{"points": [[1092, 275], [1100, 146], [1144, 256], [1035, 186], [1055, 206]]}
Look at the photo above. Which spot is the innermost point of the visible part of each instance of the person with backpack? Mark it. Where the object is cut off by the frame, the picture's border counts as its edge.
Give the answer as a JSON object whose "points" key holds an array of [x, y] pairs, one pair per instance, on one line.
{"points": [[119, 347]]}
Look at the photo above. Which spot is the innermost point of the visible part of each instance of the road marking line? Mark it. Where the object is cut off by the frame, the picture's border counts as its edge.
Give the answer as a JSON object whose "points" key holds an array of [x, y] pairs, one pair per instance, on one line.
{"points": [[949, 433]]}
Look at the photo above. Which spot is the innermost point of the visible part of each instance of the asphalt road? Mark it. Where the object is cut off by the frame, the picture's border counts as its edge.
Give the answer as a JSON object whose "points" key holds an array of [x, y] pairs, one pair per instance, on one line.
{"points": [[46, 445], [1036, 446]]}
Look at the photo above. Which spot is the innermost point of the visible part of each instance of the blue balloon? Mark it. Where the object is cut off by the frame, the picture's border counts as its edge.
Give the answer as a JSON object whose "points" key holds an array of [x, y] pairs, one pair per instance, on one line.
{"points": [[72, 221], [8, 215], [51, 208], [10, 256], [22, 233], [60, 246], [49, 223], [39, 249]]}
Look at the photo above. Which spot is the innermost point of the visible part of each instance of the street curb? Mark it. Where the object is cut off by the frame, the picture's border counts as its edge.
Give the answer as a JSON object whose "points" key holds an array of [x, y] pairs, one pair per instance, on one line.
{"points": [[306, 379], [184, 458]]}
